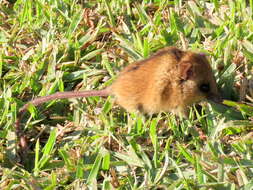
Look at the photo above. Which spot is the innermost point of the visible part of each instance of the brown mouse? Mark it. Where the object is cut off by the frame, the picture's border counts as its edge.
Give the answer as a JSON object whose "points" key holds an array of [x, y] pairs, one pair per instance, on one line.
{"points": [[171, 80]]}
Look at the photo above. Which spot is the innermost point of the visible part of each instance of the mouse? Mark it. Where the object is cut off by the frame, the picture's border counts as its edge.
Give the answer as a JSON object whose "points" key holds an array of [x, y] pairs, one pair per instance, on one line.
{"points": [[171, 80]]}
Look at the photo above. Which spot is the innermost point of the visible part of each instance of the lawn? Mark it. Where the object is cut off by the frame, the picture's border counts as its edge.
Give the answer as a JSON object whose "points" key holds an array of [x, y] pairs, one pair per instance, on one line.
{"points": [[48, 46]]}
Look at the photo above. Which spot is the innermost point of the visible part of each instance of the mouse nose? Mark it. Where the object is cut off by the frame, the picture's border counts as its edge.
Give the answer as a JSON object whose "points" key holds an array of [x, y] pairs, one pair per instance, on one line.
{"points": [[215, 98]]}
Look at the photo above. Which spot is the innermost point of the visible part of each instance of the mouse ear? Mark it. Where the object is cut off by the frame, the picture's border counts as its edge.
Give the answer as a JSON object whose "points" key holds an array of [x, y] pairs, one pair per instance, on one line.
{"points": [[177, 52], [186, 70], [202, 54]]}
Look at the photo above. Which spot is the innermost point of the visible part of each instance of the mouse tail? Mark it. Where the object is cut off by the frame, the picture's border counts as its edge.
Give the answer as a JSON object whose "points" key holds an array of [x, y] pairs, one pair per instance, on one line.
{"points": [[23, 146], [65, 95]]}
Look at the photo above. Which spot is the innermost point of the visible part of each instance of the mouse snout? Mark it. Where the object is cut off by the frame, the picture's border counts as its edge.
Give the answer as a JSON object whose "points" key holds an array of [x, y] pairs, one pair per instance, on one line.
{"points": [[214, 97]]}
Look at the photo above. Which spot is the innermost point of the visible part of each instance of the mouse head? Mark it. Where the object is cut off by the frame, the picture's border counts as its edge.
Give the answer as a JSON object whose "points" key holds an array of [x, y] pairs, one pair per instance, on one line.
{"points": [[196, 78]]}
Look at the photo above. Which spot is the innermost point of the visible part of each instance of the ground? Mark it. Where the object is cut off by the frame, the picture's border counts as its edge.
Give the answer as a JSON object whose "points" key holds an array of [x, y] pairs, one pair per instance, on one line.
{"points": [[62, 45]]}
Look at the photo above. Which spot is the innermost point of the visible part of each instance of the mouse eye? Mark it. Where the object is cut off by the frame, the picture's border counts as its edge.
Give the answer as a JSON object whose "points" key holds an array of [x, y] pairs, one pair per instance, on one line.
{"points": [[204, 88]]}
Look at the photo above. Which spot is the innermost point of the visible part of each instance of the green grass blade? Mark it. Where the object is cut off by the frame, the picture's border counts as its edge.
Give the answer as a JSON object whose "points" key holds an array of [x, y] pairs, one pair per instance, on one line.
{"points": [[95, 168]]}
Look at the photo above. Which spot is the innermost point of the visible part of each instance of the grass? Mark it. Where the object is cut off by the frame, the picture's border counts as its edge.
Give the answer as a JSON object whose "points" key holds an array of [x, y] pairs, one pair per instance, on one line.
{"points": [[50, 46]]}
